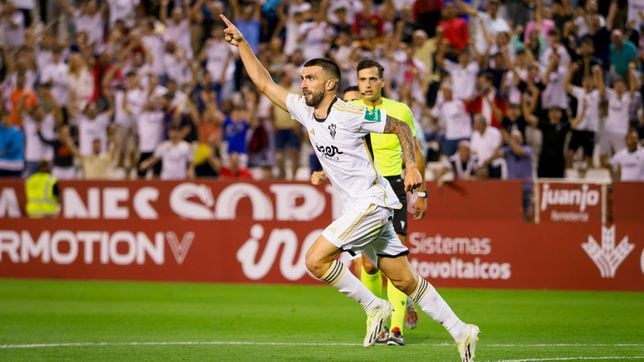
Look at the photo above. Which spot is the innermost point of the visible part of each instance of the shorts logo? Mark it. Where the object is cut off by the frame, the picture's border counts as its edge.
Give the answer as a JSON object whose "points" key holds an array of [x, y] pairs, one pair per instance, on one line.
{"points": [[329, 152], [332, 130]]}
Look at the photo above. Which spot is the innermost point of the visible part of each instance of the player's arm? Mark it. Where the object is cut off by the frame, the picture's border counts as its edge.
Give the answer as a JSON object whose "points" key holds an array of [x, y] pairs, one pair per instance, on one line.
{"points": [[413, 178], [254, 68]]}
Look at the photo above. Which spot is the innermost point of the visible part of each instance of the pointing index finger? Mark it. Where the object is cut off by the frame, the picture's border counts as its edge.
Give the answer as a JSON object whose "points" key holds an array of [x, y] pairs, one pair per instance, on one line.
{"points": [[225, 19]]}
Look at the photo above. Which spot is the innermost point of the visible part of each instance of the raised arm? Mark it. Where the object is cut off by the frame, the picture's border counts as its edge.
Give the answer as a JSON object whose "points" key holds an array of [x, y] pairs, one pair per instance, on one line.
{"points": [[254, 68], [413, 179]]}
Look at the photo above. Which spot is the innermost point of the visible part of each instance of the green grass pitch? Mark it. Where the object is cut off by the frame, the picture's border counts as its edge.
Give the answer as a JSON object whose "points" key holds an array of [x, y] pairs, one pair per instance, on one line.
{"points": [[91, 321]]}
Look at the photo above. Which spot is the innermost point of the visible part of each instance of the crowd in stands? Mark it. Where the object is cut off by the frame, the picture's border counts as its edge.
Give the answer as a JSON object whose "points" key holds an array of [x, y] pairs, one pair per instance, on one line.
{"points": [[144, 89]]}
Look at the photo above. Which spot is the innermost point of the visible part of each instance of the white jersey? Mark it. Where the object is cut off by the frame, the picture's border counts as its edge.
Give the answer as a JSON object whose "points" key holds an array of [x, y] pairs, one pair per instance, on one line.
{"points": [[91, 129], [618, 112], [590, 122], [338, 142], [631, 164], [175, 159]]}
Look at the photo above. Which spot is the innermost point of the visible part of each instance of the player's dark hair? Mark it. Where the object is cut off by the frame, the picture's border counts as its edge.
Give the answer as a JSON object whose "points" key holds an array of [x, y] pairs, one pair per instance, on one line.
{"points": [[368, 63], [328, 66], [353, 88]]}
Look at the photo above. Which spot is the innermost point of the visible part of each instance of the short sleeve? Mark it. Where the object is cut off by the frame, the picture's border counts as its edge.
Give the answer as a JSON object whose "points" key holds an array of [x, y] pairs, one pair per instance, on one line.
{"points": [[160, 150], [578, 92], [373, 120], [297, 107]]}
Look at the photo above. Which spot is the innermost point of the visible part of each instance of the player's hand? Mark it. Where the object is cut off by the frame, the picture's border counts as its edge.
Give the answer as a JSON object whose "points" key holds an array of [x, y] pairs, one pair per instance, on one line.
{"points": [[412, 178], [420, 208], [317, 177], [231, 33]]}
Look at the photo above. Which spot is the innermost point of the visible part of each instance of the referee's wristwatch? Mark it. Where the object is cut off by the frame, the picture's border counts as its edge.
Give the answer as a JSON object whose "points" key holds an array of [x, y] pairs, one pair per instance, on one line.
{"points": [[422, 194]]}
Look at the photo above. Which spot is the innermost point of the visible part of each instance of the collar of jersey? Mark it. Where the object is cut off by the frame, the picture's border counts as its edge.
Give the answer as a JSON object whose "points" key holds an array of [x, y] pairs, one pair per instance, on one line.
{"points": [[327, 111]]}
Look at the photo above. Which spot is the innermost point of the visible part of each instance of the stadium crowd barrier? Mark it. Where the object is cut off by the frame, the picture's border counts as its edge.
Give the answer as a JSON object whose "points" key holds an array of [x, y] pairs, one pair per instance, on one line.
{"points": [[257, 232]]}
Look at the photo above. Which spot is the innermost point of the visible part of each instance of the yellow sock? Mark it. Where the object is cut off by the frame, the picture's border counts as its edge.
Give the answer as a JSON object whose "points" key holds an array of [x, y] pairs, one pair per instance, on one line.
{"points": [[399, 300], [373, 282]]}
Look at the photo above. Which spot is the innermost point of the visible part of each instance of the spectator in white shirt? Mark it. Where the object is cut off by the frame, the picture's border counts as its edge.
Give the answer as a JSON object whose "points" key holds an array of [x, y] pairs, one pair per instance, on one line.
{"points": [[93, 126], [150, 129], [176, 64], [176, 156], [128, 104], [12, 24], [57, 73], [35, 149], [554, 95], [463, 74], [124, 10], [485, 144], [628, 163], [453, 118], [489, 23], [87, 18], [613, 137], [583, 132], [220, 62], [154, 46], [178, 26], [80, 83]]}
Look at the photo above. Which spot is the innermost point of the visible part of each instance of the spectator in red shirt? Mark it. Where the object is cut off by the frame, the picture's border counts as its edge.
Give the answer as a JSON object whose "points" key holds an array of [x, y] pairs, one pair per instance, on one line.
{"points": [[234, 170], [487, 101], [367, 17], [455, 29]]}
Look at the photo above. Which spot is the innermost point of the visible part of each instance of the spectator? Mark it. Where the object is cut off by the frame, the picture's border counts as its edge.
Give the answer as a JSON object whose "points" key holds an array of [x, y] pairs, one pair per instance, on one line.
{"points": [[12, 147], [452, 115], [485, 145], [585, 61], [554, 129], [96, 165], [63, 159], [455, 29], [620, 98], [21, 100], [235, 169], [220, 62], [178, 26], [518, 158], [583, 133], [463, 74], [42, 192], [287, 139], [514, 120], [487, 101], [622, 52], [628, 163], [56, 73], [37, 121], [175, 155], [236, 126], [93, 125], [150, 129], [128, 104], [13, 25], [462, 164], [488, 23]]}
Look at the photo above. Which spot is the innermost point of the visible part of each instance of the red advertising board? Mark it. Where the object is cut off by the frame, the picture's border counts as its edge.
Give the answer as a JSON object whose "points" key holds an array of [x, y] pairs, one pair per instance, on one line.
{"points": [[569, 202], [258, 232]]}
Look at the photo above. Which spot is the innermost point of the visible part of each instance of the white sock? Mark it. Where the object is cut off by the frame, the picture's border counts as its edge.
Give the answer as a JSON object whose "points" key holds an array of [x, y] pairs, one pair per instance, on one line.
{"points": [[435, 306], [339, 277]]}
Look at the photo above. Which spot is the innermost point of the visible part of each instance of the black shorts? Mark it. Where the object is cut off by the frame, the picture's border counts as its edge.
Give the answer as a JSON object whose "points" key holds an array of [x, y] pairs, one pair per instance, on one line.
{"points": [[584, 139], [400, 215]]}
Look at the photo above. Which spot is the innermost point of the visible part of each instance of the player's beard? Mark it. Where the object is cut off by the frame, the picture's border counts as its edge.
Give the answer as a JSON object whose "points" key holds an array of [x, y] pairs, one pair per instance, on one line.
{"points": [[315, 99]]}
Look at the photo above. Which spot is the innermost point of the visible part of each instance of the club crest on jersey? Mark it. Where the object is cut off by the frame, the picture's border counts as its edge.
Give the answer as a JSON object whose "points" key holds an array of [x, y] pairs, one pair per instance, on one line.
{"points": [[332, 130]]}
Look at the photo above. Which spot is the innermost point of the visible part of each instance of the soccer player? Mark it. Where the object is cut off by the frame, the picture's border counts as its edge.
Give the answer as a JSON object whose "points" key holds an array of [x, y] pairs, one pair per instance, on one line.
{"points": [[336, 130], [388, 158]]}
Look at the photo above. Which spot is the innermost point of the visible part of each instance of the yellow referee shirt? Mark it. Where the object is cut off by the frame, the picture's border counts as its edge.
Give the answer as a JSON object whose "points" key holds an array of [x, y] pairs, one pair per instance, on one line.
{"points": [[386, 147]]}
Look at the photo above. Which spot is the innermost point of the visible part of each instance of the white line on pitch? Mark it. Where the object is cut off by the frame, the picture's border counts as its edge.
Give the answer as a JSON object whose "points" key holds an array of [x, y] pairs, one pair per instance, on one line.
{"points": [[298, 344], [582, 358]]}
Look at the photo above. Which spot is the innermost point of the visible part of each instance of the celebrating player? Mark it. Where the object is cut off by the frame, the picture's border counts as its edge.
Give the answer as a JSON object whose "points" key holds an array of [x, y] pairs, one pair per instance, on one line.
{"points": [[336, 131]]}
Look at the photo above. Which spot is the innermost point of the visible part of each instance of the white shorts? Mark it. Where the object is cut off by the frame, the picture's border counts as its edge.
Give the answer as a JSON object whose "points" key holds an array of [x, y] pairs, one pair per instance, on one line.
{"points": [[366, 228]]}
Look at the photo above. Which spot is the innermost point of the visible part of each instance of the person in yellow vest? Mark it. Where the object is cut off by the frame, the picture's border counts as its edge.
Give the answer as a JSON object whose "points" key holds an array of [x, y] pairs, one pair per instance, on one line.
{"points": [[41, 191]]}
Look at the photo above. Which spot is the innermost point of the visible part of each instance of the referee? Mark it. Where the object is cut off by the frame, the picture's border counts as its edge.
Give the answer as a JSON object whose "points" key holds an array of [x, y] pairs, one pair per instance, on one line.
{"points": [[386, 151]]}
